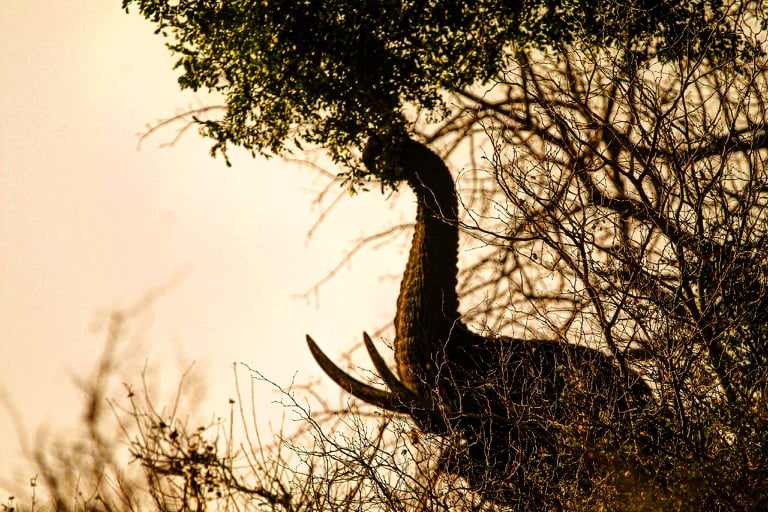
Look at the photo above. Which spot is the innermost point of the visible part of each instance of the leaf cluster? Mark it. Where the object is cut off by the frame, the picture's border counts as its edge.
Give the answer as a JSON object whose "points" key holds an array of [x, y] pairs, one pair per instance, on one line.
{"points": [[333, 72]]}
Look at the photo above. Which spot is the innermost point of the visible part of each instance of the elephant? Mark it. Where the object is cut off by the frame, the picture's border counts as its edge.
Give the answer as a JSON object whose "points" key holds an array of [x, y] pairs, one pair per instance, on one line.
{"points": [[525, 413]]}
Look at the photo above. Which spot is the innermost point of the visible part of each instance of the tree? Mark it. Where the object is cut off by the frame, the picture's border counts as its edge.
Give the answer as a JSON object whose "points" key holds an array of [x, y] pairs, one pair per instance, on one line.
{"points": [[620, 198], [334, 72], [641, 201]]}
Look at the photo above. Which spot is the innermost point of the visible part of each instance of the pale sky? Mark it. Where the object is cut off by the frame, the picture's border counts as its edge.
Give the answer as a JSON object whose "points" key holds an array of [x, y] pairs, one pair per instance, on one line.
{"points": [[89, 223]]}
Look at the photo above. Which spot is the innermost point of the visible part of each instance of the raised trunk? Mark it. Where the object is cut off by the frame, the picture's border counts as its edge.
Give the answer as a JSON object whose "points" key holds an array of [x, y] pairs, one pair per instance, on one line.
{"points": [[427, 307]]}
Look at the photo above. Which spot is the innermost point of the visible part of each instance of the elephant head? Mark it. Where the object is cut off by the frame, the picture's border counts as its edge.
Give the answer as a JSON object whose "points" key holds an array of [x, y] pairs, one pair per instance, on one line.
{"points": [[503, 397]]}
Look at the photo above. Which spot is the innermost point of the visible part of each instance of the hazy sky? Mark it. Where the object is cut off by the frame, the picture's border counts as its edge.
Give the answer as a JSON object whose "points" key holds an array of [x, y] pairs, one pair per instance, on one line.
{"points": [[90, 223]]}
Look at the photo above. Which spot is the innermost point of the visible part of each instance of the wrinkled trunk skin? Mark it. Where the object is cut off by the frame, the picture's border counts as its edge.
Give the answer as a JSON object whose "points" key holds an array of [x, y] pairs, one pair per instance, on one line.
{"points": [[427, 307], [435, 354]]}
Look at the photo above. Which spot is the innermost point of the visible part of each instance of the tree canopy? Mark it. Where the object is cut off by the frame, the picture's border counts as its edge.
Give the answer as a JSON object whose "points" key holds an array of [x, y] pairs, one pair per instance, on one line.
{"points": [[332, 72]]}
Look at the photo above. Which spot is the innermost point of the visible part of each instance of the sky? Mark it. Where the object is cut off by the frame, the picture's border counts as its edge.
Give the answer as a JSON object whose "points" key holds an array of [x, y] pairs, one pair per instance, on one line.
{"points": [[91, 221]]}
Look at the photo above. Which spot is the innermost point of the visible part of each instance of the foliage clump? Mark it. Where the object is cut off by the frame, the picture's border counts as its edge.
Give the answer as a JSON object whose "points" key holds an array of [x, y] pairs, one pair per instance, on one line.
{"points": [[334, 72]]}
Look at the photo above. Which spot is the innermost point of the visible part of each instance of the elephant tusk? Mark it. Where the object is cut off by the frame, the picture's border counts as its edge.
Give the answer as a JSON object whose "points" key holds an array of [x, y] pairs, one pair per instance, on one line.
{"points": [[421, 409], [374, 396], [400, 390]]}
